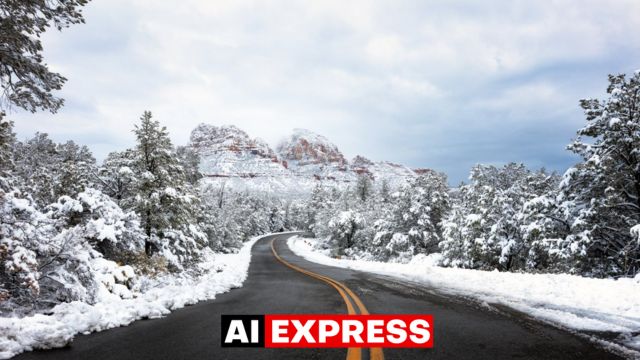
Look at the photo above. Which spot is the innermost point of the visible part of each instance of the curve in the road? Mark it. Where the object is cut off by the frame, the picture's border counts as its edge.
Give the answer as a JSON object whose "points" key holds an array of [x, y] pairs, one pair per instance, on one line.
{"points": [[343, 290]]}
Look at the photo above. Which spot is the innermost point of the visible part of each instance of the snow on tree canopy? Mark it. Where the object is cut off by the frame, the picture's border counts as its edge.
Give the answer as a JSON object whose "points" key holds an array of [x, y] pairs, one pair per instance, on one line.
{"points": [[602, 193]]}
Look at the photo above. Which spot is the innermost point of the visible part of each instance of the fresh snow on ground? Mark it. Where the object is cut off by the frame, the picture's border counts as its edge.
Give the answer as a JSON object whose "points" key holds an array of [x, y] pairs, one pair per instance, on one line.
{"points": [[574, 302], [222, 272]]}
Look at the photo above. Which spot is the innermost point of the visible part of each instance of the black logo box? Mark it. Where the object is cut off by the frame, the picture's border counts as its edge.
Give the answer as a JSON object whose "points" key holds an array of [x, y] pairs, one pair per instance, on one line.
{"points": [[246, 322]]}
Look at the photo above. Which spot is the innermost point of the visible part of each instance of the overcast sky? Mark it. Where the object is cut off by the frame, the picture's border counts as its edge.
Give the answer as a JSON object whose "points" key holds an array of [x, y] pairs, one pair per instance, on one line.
{"points": [[439, 84]]}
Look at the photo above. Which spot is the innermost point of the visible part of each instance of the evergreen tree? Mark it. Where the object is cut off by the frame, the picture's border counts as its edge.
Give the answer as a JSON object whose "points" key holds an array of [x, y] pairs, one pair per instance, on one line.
{"points": [[603, 191], [385, 191], [419, 209], [7, 141], [190, 162], [164, 199], [117, 177], [343, 229], [490, 223], [26, 80], [48, 170], [363, 188], [318, 203], [77, 169], [36, 167]]}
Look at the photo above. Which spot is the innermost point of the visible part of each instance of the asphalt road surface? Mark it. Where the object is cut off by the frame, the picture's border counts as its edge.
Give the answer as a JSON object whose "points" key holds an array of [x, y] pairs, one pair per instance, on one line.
{"points": [[463, 329]]}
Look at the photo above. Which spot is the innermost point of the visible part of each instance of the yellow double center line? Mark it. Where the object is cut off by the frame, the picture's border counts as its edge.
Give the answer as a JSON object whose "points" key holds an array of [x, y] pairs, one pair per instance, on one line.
{"points": [[343, 290]]}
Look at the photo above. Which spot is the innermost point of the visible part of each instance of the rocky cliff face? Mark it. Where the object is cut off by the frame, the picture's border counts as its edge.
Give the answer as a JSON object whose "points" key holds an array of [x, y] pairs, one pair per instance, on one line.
{"points": [[230, 155], [313, 156], [209, 138], [226, 151], [306, 148]]}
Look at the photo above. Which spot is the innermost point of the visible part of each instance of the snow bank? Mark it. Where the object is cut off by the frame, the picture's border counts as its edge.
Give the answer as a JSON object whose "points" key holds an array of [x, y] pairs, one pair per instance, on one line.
{"points": [[571, 301], [57, 329]]}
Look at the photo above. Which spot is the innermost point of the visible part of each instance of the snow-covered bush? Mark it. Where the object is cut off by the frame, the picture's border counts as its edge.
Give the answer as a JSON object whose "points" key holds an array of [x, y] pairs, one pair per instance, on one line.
{"points": [[343, 228], [48, 258], [88, 227], [400, 248], [181, 247], [110, 230], [114, 280], [65, 267]]}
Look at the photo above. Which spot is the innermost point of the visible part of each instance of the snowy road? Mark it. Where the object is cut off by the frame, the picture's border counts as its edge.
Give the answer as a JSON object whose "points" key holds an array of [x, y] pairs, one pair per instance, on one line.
{"points": [[463, 329]]}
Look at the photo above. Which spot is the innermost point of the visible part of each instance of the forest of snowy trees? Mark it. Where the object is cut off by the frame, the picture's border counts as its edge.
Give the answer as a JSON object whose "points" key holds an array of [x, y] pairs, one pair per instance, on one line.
{"points": [[66, 220], [68, 223], [508, 218], [70, 226]]}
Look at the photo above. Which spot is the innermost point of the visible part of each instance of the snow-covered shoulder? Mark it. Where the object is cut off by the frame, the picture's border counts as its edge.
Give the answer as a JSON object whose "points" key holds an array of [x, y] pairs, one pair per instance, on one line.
{"points": [[222, 272], [573, 302]]}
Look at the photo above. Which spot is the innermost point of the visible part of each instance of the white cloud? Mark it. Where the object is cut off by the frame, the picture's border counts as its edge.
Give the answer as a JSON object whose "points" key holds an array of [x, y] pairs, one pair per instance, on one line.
{"points": [[414, 69], [529, 97], [386, 49]]}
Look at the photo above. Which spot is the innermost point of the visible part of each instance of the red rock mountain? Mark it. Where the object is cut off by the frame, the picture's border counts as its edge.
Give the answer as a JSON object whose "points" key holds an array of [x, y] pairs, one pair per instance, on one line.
{"points": [[229, 154]]}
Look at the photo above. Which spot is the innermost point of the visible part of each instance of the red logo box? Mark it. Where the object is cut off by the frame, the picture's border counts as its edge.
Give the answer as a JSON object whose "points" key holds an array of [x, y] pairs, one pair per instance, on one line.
{"points": [[338, 331]]}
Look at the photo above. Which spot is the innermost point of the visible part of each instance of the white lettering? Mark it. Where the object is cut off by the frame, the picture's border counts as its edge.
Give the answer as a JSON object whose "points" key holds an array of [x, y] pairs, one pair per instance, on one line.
{"points": [[236, 332], [279, 327]]}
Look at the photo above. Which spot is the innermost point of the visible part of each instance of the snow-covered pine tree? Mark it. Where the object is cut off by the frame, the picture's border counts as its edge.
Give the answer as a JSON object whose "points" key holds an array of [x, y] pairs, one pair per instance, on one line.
{"points": [[7, 141], [220, 227], [276, 215], [411, 222], [190, 162], [296, 215], [546, 223], [27, 81], [36, 167], [364, 187], [77, 169], [385, 191], [603, 191], [230, 218], [343, 227], [48, 170], [319, 202], [490, 226], [512, 233], [117, 178], [164, 199], [18, 265], [419, 209], [48, 257], [22, 231]]}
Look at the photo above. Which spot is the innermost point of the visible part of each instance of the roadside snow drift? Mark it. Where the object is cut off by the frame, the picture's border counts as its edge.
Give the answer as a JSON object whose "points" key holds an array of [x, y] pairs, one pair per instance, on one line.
{"points": [[571, 301], [222, 273]]}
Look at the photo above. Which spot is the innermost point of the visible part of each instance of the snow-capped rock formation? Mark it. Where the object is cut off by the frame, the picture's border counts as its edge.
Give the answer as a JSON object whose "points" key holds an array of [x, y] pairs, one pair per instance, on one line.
{"points": [[230, 156], [226, 151], [309, 155], [307, 148]]}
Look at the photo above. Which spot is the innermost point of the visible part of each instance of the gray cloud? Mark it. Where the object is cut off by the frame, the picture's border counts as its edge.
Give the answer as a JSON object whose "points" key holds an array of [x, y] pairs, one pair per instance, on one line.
{"points": [[441, 84]]}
